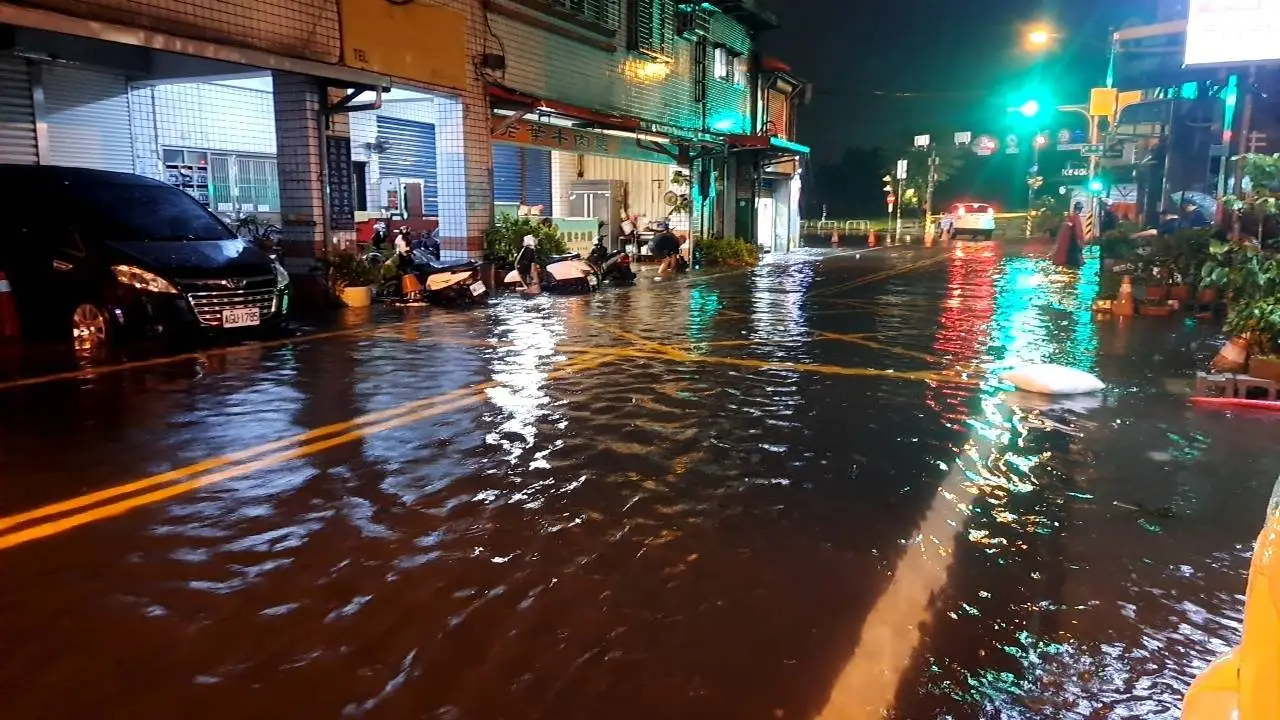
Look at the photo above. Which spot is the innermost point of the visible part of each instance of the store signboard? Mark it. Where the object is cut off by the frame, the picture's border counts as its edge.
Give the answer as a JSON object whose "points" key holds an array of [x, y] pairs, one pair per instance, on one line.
{"points": [[410, 40], [342, 207], [573, 140], [1224, 32]]}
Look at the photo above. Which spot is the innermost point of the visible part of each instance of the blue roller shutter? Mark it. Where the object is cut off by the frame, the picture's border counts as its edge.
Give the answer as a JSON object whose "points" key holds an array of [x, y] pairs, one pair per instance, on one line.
{"points": [[411, 153], [522, 175], [537, 178], [508, 183]]}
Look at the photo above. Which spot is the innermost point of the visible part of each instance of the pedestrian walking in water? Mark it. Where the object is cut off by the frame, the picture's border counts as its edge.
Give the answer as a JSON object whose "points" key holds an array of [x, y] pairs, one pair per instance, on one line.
{"points": [[1070, 248]]}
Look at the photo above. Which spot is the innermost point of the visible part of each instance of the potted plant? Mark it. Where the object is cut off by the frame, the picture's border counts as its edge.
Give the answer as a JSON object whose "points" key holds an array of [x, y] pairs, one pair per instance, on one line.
{"points": [[352, 279], [503, 241], [1250, 277]]}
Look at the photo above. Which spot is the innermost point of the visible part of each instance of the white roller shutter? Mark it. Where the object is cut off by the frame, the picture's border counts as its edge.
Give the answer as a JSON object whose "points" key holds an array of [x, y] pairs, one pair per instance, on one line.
{"points": [[88, 118], [17, 116]]}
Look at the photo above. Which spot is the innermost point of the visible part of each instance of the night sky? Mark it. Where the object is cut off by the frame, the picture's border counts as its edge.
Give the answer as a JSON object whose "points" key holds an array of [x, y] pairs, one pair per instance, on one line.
{"points": [[961, 55]]}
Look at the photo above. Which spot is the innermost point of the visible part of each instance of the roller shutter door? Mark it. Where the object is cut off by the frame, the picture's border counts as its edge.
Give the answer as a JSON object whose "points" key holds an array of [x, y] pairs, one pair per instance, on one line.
{"points": [[87, 113], [522, 175], [411, 153], [17, 115]]}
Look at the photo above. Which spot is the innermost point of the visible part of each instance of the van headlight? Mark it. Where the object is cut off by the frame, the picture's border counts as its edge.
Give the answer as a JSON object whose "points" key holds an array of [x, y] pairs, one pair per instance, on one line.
{"points": [[282, 276], [143, 280]]}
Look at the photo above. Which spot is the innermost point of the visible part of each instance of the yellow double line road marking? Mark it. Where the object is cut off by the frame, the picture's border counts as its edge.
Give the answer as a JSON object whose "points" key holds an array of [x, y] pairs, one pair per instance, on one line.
{"points": [[883, 275], [166, 485]]}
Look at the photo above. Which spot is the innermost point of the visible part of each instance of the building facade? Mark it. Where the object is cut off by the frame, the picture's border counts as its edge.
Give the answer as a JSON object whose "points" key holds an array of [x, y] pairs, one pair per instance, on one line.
{"points": [[617, 109], [325, 115]]}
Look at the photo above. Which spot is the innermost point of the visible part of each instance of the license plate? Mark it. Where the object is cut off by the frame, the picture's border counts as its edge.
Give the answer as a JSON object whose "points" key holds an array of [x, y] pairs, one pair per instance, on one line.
{"points": [[241, 317], [592, 280], [477, 289]]}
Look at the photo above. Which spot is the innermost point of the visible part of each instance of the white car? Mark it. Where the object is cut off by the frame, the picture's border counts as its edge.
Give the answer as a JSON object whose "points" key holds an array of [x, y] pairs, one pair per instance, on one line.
{"points": [[971, 219]]}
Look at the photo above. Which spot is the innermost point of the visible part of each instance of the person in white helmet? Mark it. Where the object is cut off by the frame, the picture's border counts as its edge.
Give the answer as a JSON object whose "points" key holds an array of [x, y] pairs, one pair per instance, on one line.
{"points": [[526, 261]]}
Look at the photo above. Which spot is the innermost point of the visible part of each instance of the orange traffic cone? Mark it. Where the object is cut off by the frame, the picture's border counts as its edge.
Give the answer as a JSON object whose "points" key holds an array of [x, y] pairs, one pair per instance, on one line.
{"points": [[835, 239], [871, 238], [1124, 301], [1233, 357], [8, 310]]}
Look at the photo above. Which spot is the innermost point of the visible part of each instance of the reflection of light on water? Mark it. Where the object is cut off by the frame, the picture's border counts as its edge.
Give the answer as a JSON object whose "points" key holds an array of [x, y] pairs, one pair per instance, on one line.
{"points": [[1028, 314], [520, 371], [704, 303]]}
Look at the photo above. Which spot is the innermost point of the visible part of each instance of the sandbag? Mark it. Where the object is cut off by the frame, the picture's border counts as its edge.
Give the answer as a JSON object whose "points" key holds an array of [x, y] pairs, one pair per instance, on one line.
{"points": [[1053, 380]]}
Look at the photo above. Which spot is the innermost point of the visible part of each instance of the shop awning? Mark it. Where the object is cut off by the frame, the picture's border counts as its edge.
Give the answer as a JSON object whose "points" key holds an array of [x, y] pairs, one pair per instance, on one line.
{"points": [[775, 145], [519, 101]]}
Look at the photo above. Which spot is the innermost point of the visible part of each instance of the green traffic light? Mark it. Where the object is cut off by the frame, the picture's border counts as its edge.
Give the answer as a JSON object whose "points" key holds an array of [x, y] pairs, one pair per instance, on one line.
{"points": [[1030, 108], [1095, 185]]}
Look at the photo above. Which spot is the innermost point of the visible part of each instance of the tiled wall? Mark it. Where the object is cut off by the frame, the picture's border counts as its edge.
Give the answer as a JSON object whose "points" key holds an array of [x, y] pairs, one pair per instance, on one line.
{"points": [[208, 116], [548, 65], [296, 28]]}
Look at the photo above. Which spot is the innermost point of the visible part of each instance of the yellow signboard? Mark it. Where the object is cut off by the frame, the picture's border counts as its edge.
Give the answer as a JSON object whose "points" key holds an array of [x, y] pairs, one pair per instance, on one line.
{"points": [[573, 140], [414, 40], [1102, 102]]}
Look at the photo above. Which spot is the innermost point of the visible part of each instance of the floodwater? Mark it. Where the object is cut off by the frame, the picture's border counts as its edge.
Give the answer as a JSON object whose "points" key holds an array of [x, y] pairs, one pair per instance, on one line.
{"points": [[794, 492]]}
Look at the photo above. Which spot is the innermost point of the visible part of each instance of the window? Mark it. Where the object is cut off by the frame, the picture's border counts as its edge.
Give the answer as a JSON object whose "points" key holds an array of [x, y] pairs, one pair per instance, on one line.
{"points": [[243, 184], [724, 64], [600, 12], [649, 27], [741, 71]]}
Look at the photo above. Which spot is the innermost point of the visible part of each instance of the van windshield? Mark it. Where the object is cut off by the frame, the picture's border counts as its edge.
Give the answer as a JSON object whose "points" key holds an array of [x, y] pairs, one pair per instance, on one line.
{"points": [[150, 213]]}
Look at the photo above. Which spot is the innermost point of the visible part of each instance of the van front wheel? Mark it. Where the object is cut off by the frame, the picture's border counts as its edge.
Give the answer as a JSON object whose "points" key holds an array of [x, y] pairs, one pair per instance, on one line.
{"points": [[90, 325]]}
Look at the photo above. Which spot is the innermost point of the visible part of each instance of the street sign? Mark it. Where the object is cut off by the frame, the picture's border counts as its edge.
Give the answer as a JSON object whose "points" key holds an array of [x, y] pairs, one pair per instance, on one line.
{"points": [[1011, 150], [1102, 102], [1092, 150], [902, 169], [923, 141], [964, 138], [1075, 172], [985, 146], [1114, 151]]}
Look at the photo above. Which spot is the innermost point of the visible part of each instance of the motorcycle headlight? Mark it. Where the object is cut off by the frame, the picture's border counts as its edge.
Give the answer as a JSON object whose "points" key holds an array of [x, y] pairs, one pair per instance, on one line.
{"points": [[142, 279], [282, 277]]}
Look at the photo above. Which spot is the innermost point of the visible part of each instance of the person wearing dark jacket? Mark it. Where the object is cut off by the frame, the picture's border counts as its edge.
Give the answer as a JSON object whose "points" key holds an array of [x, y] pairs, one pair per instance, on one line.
{"points": [[666, 246]]}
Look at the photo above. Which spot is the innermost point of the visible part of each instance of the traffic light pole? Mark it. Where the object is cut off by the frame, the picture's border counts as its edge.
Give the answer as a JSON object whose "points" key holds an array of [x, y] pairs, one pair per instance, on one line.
{"points": [[930, 183], [1095, 201]]}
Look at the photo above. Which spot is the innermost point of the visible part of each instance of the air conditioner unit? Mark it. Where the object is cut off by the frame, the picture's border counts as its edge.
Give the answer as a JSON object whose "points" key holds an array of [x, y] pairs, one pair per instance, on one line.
{"points": [[692, 23]]}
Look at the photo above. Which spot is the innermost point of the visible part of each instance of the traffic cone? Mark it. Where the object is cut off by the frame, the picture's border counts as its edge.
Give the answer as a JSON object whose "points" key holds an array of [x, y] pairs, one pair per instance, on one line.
{"points": [[1124, 301], [1233, 357], [871, 238], [8, 310], [835, 239]]}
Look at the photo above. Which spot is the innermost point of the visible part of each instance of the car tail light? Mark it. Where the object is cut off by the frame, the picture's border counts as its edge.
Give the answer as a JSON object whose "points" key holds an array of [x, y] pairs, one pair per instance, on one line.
{"points": [[991, 211], [960, 212]]}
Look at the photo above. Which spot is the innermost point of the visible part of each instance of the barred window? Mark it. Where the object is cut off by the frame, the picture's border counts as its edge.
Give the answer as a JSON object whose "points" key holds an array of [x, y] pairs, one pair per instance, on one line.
{"points": [[649, 27], [601, 12]]}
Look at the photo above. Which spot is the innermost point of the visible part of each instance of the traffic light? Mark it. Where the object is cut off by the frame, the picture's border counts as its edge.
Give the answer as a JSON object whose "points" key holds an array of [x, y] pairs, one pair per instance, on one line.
{"points": [[1030, 108], [1095, 186]]}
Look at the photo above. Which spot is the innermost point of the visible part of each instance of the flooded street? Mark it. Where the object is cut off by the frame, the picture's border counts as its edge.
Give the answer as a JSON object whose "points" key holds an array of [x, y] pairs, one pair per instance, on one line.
{"points": [[798, 491]]}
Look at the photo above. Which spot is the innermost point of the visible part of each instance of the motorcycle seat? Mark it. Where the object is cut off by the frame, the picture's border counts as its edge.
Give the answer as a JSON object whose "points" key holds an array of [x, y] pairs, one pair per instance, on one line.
{"points": [[451, 265], [563, 258]]}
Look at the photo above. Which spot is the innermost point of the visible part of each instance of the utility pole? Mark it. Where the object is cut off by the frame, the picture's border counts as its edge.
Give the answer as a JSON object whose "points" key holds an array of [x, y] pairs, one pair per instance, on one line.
{"points": [[1242, 139], [930, 183], [901, 176]]}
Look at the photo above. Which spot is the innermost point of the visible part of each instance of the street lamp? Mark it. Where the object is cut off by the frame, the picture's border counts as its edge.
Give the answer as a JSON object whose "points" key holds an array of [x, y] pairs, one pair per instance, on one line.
{"points": [[1030, 108], [1039, 38]]}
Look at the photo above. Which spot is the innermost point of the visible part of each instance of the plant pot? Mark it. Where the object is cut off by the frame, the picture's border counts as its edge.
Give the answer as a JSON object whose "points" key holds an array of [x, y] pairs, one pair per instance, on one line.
{"points": [[1208, 296], [1158, 293], [1181, 293], [1155, 310], [1265, 367], [357, 297]]}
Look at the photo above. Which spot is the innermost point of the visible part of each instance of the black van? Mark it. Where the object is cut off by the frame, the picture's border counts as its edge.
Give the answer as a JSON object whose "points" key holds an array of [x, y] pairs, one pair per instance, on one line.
{"points": [[94, 255]]}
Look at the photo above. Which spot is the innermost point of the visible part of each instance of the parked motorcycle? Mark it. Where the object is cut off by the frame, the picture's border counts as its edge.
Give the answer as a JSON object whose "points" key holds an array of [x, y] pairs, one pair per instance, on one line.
{"points": [[563, 274], [415, 273], [612, 266]]}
